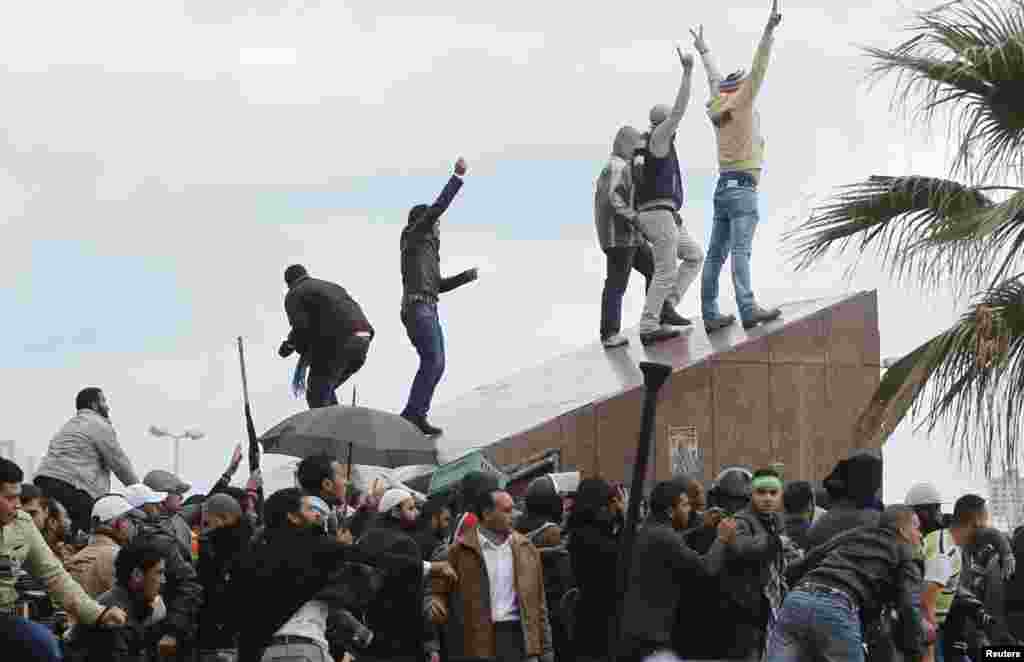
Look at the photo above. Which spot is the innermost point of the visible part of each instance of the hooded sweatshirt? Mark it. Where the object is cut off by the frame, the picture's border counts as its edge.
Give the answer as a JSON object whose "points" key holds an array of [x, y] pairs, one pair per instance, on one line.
{"points": [[613, 196]]}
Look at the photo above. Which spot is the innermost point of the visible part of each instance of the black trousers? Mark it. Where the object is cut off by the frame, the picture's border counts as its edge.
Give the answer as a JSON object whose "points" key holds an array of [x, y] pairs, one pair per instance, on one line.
{"points": [[621, 260], [331, 367], [509, 641], [77, 502]]}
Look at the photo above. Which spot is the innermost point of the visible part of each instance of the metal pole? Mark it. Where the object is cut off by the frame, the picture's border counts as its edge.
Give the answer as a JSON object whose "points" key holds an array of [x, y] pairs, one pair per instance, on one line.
{"points": [[177, 456], [655, 375]]}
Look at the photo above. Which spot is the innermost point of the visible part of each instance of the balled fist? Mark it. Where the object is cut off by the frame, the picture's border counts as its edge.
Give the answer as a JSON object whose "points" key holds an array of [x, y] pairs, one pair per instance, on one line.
{"points": [[460, 167], [285, 350]]}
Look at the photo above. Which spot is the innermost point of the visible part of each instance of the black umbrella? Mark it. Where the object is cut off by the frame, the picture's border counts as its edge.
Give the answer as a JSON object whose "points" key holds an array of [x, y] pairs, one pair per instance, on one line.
{"points": [[364, 435]]}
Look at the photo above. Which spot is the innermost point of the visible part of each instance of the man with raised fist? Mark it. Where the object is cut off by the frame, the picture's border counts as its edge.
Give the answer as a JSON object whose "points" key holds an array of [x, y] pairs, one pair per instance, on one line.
{"points": [[422, 284]]}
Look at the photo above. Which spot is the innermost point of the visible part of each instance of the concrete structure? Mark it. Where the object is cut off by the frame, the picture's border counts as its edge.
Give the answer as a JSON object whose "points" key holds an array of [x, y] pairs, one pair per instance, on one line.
{"points": [[787, 392], [1006, 501]]}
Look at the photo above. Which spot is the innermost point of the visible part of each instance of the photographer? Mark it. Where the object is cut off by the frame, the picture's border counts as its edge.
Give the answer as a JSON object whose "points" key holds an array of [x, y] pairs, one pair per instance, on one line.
{"points": [[22, 546], [977, 615]]}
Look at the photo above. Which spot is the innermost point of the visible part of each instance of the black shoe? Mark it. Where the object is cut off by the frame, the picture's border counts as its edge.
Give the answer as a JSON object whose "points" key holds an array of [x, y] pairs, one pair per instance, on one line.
{"points": [[712, 324], [670, 317], [759, 315], [422, 425], [658, 335]]}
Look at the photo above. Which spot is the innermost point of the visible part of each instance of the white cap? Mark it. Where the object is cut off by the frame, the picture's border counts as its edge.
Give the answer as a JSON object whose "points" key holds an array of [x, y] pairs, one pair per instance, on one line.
{"points": [[392, 498], [109, 508], [923, 494], [139, 495]]}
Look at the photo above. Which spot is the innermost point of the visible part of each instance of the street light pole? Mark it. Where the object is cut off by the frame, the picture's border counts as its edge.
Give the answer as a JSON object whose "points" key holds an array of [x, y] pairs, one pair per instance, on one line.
{"points": [[187, 434]]}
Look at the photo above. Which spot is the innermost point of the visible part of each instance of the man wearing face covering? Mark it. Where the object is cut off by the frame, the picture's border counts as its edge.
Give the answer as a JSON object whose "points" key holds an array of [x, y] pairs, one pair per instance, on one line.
{"points": [[422, 284], [625, 248], [658, 198], [740, 162], [395, 615]]}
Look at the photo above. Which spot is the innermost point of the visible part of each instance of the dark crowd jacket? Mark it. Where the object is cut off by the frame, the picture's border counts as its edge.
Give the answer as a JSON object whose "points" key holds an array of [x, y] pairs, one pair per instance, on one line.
{"points": [[748, 565], [220, 553], [293, 565], [661, 564], [182, 593]]}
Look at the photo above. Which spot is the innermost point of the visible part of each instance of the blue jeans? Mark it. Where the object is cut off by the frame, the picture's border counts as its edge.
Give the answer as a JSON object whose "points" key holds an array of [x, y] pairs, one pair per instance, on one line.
{"points": [[732, 233], [27, 640], [816, 626], [424, 329]]}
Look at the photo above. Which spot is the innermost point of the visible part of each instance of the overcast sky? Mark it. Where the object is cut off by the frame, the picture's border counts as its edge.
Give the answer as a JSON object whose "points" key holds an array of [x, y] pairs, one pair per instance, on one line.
{"points": [[161, 163]]}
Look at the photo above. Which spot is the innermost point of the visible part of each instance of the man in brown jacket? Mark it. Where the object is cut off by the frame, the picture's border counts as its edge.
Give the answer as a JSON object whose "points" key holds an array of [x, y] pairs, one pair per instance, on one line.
{"points": [[93, 567], [497, 609]]}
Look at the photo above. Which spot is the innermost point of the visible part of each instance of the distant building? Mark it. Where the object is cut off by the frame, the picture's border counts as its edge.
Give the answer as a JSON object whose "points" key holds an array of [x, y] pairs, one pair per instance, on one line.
{"points": [[1006, 501]]}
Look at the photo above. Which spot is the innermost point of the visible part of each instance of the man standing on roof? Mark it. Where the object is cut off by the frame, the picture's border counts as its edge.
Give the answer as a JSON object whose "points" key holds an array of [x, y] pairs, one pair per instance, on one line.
{"points": [[740, 161], [329, 330], [659, 197], [421, 285]]}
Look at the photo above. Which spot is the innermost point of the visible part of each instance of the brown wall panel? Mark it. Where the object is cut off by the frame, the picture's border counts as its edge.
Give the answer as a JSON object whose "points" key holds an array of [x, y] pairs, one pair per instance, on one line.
{"points": [[618, 428], [848, 390], [851, 323], [743, 414], [686, 400], [798, 399], [516, 449], [803, 342], [579, 431]]}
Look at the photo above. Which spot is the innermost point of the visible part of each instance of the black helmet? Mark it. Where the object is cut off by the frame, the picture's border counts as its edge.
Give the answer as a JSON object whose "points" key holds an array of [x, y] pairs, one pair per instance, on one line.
{"points": [[542, 498], [733, 483]]}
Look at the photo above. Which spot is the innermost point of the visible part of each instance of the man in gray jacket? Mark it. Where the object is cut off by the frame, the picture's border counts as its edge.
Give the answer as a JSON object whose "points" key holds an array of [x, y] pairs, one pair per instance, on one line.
{"points": [[77, 466], [624, 246]]}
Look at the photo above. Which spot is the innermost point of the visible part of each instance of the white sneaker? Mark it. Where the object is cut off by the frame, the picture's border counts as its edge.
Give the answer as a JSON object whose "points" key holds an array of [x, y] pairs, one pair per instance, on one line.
{"points": [[617, 340]]}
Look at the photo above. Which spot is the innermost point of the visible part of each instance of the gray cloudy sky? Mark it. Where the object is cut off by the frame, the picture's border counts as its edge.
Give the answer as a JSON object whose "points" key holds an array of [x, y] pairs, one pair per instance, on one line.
{"points": [[161, 163]]}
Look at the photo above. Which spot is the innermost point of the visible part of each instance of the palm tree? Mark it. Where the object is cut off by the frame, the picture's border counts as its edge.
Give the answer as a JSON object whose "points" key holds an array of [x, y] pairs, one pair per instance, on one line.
{"points": [[965, 61]]}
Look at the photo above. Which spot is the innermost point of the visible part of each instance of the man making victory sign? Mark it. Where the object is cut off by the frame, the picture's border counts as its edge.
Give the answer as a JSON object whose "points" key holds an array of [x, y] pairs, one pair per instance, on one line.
{"points": [[740, 162]]}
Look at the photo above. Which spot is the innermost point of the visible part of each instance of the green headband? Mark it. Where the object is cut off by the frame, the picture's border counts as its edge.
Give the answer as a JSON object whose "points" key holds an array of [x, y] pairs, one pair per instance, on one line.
{"points": [[767, 483]]}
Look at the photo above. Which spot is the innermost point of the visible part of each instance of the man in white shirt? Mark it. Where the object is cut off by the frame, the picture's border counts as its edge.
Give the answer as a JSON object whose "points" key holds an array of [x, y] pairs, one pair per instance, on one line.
{"points": [[497, 609]]}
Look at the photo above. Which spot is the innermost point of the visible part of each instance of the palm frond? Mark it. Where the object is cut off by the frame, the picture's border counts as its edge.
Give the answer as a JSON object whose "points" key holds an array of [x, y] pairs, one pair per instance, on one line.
{"points": [[919, 226], [967, 57], [970, 377]]}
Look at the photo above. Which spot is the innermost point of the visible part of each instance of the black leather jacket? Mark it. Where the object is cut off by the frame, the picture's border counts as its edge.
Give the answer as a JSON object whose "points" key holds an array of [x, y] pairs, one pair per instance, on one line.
{"points": [[421, 250], [874, 567], [322, 312]]}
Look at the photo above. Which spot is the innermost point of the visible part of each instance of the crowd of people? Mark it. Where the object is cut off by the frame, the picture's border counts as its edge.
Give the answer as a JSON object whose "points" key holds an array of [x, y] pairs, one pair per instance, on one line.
{"points": [[746, 568]]}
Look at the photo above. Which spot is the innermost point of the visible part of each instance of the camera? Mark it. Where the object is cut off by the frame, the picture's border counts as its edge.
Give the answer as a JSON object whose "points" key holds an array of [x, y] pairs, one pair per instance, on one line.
{"points": [[8, 568]]}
